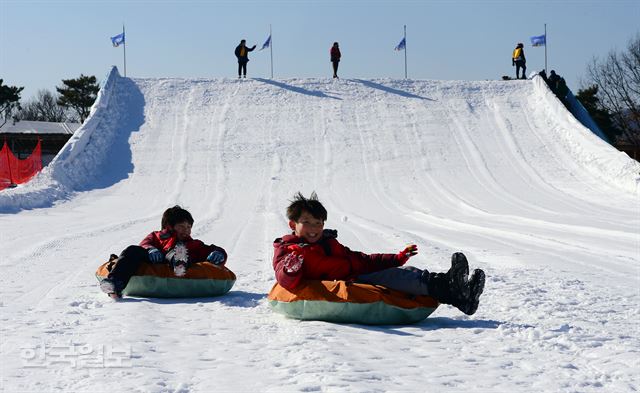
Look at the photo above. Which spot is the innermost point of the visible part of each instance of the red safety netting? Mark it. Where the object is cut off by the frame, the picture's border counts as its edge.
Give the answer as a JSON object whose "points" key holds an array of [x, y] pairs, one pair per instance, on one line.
{"points": [[16, 171]]}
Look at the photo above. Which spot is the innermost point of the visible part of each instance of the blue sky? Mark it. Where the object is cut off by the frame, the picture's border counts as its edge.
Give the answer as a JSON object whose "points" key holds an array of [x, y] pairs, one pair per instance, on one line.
{"points": [[43, 42]]}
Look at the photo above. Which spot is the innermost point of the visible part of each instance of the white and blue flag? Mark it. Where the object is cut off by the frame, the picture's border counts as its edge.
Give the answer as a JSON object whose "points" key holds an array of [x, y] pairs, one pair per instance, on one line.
{"points": [[402, 44], [539, 40], [117, 40], [267, 43]]}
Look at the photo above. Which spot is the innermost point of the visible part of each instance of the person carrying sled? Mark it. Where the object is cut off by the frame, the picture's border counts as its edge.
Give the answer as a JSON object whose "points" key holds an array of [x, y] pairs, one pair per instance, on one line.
{"points": [[518, 60], [311, 252], [172, 244], [242, 53], [335, 58]]}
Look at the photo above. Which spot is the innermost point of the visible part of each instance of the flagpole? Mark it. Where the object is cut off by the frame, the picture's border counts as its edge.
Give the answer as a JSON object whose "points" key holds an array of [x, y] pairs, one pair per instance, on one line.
{"points": [[271, 49], [545, 48], [405, 51], [124, 45]]}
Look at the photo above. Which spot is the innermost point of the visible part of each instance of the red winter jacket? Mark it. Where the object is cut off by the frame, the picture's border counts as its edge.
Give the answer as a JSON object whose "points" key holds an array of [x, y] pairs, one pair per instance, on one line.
{"points": [[165, 240], [335, 53], [325, 260]]}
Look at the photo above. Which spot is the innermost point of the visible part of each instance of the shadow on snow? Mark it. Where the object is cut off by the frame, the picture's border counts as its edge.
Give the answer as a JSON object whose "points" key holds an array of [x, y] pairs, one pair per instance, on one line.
{"points": [[232, 298], [119, 162], [431, 324], [296, 89], [391, 90]]}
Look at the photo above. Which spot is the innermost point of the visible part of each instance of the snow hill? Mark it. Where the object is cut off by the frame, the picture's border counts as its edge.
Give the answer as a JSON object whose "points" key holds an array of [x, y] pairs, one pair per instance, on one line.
{"points": [[496, 169]]}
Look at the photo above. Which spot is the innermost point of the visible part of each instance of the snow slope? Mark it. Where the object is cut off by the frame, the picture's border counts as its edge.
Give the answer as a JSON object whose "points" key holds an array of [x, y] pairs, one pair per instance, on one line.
{"points": [[499, 170]]}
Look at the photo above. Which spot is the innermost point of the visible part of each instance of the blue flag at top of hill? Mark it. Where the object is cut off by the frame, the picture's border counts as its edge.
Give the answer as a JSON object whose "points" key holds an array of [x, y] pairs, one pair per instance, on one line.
{"points": [[266, 43], [539, 40], [401, 45], [117, 40]]}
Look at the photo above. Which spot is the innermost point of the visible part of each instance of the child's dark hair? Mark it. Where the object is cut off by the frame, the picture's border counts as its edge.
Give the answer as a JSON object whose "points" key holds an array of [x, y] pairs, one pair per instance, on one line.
{"points": [[310, 205], [175, 215]]}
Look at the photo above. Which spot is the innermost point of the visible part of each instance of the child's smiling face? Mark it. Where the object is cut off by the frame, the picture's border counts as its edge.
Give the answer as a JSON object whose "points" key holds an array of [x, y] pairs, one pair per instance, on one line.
{"points": [[307, 227], [182, 230]]}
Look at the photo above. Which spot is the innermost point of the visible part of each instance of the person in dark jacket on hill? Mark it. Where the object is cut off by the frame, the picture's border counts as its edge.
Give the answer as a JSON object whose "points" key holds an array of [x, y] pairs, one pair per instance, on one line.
{"points": [[543, 75], [558, 86], [562, 90], [164, 246], [518, 60], [242, 53], [553, 81], [311, 252], [335, 58]]}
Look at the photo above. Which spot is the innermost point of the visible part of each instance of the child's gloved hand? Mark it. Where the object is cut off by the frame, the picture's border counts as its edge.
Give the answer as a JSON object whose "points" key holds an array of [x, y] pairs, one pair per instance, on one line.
{"points": [[404, 255], [216, 257], [293, 263], [155, 256]]}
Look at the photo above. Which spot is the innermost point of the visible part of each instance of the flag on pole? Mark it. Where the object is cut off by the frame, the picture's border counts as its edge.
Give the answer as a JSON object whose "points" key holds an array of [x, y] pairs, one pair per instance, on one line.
{"points": [[267, 43], [540, 40], [117, 40], [402, 44]]}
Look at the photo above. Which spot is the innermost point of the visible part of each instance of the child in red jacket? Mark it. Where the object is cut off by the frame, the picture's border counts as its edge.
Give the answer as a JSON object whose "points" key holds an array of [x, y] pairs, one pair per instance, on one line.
{"points": [[314, 253], [173, 244]]}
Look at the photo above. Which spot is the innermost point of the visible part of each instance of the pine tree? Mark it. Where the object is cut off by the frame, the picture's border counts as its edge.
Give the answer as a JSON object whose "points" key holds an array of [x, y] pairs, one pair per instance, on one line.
{"points": [[9, 102], [79, 94]]}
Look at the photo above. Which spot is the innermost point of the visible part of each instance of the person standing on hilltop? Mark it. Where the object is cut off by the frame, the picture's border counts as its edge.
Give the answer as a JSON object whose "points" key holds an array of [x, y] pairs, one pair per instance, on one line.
{"points": [[518, 60], [335, 58], [242, 53]]}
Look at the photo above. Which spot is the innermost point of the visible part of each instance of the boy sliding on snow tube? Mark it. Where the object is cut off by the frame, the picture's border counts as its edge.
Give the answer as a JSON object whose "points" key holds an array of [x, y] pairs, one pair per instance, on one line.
{"points": [[314, 253], [173, 245]]}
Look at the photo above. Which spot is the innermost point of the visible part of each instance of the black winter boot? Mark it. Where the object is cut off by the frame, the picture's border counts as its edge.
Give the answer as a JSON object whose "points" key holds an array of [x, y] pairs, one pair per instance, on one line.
{"points": [[438, 286], [112, 287], [458, 275], [476, 287], [454, 288]]}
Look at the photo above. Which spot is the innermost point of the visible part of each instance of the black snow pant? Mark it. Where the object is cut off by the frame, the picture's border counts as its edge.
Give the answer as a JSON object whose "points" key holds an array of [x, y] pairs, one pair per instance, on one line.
{"points": [[521, 64], [335, 68], [242, 69], [406, 279], [126, 265]]}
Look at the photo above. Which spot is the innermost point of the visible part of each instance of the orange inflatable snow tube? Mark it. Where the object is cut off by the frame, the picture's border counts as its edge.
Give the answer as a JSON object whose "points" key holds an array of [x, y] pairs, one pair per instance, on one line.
{"points": [[340, 301], [202, 279]]}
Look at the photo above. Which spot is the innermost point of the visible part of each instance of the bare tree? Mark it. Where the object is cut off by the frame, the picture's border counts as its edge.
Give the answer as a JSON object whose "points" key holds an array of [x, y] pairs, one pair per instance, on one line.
{"points": [[44, 107], [618, 80]]}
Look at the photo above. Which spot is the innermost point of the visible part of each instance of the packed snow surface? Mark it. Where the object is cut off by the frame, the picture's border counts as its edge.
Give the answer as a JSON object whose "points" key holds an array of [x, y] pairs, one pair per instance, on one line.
{"points": [[498, 170]]}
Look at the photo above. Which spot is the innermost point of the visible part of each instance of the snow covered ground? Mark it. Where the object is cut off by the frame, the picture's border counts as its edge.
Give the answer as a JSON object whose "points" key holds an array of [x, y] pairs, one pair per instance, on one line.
{"points": [[498, 170]]}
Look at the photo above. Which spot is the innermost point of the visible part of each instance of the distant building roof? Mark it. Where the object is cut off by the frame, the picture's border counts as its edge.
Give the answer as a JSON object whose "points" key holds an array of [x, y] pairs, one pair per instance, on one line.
{"points": [[39, 127]]}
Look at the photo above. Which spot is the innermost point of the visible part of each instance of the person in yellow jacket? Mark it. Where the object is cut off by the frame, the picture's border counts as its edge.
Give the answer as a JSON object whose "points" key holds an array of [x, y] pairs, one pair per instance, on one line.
{"points": [[518, 60]]}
